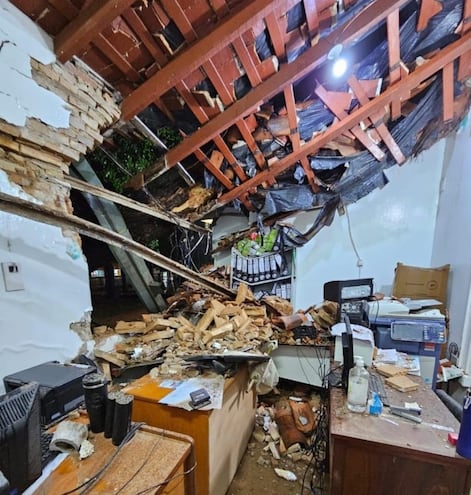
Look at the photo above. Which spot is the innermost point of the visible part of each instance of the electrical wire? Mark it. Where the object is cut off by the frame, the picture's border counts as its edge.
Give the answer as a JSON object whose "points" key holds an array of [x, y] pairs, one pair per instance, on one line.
{"points": [[319, 448], [168, 480], [89, 482], [359, 260]]}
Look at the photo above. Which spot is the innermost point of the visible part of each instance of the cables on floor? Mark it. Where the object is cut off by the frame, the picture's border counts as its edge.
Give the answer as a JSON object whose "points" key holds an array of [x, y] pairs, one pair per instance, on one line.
{"points": [[315, 474]]}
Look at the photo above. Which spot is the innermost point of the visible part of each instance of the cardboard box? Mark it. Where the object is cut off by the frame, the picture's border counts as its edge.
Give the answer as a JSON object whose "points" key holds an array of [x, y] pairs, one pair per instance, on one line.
{"points": [[421, 283]]}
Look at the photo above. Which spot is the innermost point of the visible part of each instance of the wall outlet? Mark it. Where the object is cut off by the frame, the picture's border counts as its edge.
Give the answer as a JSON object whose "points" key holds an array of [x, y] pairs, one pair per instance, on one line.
{"points": [[12, 276]]}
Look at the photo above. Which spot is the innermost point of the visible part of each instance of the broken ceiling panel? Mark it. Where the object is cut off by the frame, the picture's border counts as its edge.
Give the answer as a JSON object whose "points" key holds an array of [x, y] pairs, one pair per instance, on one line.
{"points": [[248, 85]]}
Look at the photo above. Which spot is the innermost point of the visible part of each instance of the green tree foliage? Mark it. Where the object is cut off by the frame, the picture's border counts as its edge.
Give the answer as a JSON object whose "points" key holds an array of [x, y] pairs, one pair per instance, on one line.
{"points": [[129, 157]]}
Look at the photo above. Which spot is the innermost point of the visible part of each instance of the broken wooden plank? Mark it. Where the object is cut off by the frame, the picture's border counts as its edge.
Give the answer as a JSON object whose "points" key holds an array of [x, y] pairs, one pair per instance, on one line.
{"points": [[130, 327], [40, 213], [448, 91], [394, 57], [115, 358], [376, 119], [101, 192], [428, 8], [330, 101], [217, 333], [159, 335]]}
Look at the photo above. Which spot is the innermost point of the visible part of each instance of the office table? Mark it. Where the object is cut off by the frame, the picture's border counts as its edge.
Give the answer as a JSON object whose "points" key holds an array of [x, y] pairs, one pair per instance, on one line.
{"points": [[143, 465], [221, 435], [394, 456]]}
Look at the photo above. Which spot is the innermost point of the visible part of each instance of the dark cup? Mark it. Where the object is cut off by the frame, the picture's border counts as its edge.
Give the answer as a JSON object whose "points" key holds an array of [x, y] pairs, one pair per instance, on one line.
{"points": [[96, 392]]}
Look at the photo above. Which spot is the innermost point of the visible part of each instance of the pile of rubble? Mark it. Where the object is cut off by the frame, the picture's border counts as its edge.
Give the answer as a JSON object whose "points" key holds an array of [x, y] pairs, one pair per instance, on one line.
{"points": [[198, 323]]}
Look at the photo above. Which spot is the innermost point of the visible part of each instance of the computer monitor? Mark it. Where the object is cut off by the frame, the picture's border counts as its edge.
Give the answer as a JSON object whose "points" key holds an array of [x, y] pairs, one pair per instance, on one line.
{"points": [[20, 436], [347, 350]]}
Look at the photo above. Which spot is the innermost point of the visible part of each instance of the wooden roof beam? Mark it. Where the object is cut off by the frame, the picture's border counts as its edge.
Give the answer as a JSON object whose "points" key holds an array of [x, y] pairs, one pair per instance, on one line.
{"points": [[84, 28], [428, 8], [394, 55], [377, 121], [329, 100], [464, 69], [199, 52], [401, 90], [448, 91], [288, 73]]}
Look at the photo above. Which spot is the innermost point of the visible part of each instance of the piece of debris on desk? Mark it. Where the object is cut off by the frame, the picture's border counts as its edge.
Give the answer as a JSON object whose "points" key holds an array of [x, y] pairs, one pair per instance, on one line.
{"points": [[86, 449]]}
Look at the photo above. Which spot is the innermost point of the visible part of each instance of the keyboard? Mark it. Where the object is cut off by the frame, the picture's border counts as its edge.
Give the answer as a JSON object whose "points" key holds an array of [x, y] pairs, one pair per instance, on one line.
{"points": [[376, 384], [46, 455]]}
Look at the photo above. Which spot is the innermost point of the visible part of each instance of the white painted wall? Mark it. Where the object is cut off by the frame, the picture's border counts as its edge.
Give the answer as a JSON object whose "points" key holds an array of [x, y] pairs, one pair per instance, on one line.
{"points": [[394, 224], [453, 236], [35, 323]]}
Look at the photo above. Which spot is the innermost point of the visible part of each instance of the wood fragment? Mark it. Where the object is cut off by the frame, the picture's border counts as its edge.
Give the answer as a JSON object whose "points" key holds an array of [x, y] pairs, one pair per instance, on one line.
{"points": [[205, 320], [130, 327], [119, 360], [217, 333], [159, 335]]}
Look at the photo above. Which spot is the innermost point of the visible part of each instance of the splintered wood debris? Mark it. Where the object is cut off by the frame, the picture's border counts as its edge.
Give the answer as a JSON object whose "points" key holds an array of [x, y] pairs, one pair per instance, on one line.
{"points": [[199, 323]]}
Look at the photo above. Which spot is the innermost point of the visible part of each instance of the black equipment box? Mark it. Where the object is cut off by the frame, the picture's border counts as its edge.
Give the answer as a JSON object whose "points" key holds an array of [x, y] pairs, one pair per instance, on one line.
{"points": [[60, 386], [350, 295]]}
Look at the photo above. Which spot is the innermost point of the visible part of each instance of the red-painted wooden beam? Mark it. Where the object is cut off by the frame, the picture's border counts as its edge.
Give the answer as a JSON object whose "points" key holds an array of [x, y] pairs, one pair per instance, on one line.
{"points": [[400, 90], [87, 25], [303, 65], [225, 32]]}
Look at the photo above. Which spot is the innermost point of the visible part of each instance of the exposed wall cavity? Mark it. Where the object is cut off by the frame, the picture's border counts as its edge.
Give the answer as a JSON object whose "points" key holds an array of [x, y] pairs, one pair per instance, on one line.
{"points": [[20, 95], [50, 115]]}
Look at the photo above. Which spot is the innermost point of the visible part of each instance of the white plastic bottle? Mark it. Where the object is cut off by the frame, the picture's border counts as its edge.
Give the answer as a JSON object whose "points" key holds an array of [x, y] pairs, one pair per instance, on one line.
{"points": [[357, 395]]}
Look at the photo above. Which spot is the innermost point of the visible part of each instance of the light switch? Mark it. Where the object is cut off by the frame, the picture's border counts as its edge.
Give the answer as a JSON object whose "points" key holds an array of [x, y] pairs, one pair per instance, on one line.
{"points": [[12, 276]]}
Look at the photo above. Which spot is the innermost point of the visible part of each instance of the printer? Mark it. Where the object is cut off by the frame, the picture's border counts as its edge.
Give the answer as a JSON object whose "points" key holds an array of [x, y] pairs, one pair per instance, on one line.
{"points": [[60, 386], [421, 334]]}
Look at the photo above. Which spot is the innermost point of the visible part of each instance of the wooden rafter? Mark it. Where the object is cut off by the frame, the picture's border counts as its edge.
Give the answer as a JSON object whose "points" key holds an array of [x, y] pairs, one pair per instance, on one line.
{"points": [[312, 18], [448, 91], [115, 56], [83, 29], [394, 55], [199, 52], [136, 24], [288, 73], [428, 8], [330, 101], [103, 193], [464, 69], [246, 60], [40, 213], [408, 83], [377, 121], [280, 50]]}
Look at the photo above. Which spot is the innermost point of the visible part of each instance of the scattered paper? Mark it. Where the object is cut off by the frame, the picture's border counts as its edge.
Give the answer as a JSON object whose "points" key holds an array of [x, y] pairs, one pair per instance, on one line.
{"points": [[287, 475], [180, 396], [358, 331], [386, 356]]}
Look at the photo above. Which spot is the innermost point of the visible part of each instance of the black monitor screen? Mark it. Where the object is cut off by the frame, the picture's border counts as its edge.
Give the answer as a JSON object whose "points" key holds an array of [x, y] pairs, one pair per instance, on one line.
{"points": [[347, 349], [20, 436]]}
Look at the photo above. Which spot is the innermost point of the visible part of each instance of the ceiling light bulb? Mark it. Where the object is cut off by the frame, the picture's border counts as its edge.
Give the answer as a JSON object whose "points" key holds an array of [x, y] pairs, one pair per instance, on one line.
{"points": [[339, 67]]}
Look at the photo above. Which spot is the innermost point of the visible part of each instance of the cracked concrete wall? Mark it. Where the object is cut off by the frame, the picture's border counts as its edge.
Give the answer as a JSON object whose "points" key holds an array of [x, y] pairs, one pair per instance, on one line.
{"points": [[50, 114]]}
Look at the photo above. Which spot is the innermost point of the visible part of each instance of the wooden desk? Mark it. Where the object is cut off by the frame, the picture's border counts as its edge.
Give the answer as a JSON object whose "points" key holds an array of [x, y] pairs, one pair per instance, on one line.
{"points": [[221, 435], [151, 457], [372, 455]]}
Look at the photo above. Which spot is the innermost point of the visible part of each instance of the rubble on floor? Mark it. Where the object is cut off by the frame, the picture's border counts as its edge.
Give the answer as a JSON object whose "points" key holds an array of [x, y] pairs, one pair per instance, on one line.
{"points": [[289, 435]]}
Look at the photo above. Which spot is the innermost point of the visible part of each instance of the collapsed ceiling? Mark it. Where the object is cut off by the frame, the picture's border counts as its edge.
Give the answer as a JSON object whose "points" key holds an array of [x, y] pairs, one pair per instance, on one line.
{"points": [[249, 90]]}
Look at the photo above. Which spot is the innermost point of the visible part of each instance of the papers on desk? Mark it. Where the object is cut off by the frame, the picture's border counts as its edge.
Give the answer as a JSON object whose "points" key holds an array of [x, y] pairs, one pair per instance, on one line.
{"points": [[180, 395], [390, 356], [359, 332]]}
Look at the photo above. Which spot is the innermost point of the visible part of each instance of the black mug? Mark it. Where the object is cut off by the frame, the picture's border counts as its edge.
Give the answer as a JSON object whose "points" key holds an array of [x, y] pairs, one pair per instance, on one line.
{"points": [[95, 389]]}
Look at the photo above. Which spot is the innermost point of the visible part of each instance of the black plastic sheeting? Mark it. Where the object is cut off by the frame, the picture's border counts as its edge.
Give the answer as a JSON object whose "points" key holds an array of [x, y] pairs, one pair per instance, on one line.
{"points": [[362, 172]]}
